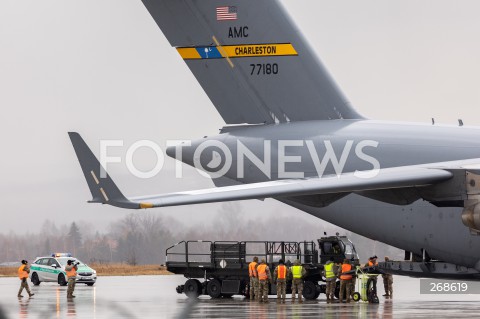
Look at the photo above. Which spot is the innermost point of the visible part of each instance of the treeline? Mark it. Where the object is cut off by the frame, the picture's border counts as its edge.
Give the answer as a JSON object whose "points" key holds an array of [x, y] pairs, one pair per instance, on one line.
{"points": [[143, 237]]}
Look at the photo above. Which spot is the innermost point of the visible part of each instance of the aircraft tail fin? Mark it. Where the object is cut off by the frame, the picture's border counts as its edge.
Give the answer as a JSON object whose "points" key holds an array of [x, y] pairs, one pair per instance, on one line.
{"points": [[104, 189], [251, 60]]}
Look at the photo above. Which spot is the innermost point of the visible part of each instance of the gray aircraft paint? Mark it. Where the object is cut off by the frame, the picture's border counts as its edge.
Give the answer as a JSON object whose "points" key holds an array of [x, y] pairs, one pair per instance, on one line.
{"points": [[239, 97], [310, 107], [399, 144]]}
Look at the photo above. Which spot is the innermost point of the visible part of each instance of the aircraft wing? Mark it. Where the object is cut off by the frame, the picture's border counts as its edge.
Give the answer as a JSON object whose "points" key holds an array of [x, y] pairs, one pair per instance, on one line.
{"points": [[105, 191]]}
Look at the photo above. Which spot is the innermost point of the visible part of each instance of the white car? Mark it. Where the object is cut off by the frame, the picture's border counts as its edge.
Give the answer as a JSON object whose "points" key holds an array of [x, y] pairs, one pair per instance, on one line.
{"points": [[52, 269]]}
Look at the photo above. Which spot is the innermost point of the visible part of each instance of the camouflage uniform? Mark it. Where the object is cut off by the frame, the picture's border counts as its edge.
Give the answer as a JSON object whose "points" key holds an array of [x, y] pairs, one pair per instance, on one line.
{"points": [[263, 284], [24, 283], [346, 282], [330, 281], [354, 280], [297, 283], [388, 282], [345, 286], [254, 288], [372, 262], [253, 279], [71, 281], [281, 284]]}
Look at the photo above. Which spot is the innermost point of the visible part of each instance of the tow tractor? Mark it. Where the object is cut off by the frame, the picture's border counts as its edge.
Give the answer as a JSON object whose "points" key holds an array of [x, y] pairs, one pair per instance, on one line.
{"points": [[220, 268]]}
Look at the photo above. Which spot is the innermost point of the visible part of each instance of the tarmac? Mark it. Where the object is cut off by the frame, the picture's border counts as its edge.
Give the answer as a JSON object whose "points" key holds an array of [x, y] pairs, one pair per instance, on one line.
{"points": [[155, 297]]}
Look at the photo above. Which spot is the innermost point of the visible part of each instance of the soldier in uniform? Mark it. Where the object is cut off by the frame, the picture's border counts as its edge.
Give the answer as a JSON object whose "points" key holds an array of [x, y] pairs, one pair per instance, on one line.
{"points": [[372, 262], [264, 277], [252, 272], [329, 271], [23, 272], [388, 282], [280, 276], [71, 270], [345, 281], [298, 272]]}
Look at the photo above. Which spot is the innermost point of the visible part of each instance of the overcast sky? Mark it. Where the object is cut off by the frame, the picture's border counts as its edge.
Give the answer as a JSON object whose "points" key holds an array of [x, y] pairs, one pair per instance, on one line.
{"points": [[104, 69]]}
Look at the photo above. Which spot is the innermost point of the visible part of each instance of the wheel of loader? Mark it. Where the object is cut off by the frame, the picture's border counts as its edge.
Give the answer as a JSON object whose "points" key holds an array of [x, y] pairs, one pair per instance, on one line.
{"points": [[214, 288], [309, 290], [192, 288]]}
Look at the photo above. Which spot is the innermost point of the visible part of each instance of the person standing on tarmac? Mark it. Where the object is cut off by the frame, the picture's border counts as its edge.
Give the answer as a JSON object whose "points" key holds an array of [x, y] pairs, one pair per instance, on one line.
{"points": [[372, 262], [280, 276], [388, 282], [23, 272], [329, 271], [252, 272], [71, 270], [264, 277], [298, 272], [345, 279], [354, 264]]}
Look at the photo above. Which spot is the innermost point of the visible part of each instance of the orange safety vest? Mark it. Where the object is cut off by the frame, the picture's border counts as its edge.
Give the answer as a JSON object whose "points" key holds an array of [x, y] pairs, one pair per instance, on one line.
{"points": [[251, 269], [22, 273], [71, 273], [370, 264], [346, 268], [281, 272], [262, 272]]}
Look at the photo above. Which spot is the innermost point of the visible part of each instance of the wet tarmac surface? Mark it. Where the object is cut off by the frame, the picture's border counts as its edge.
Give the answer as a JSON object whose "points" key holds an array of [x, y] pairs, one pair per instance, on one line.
{"points": [[155, 297]]}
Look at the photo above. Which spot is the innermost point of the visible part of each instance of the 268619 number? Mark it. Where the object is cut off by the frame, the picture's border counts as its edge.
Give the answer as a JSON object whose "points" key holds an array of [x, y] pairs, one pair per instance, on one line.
{"points": [[264, 69], [448, 287]]}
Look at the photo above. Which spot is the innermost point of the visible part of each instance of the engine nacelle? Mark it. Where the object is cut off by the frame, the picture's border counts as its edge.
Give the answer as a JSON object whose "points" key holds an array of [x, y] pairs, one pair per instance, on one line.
{"points": [[471, 217]]}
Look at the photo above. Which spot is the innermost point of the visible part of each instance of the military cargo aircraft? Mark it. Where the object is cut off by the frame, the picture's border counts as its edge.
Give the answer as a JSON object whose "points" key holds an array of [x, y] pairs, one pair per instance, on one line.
{"points": [[292, 135]]}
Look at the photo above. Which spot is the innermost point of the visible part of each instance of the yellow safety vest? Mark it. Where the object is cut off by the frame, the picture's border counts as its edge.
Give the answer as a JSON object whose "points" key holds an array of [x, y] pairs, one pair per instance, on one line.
{"points": [[297, 272], [329, 271]]}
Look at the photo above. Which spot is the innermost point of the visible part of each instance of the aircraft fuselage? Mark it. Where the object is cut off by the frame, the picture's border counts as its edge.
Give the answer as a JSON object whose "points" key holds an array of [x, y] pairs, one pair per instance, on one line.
{"points": [[318, 148]]}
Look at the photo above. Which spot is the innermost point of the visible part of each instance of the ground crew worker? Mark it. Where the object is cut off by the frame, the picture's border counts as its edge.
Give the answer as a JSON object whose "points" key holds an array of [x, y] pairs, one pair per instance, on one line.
{"points": [[372, 262], [345, 280], [329, 271], [388, 282], [353, 282], [280, 276], [264, 277], [71, 270], [298, 272], [23, 272], [252, 272]]}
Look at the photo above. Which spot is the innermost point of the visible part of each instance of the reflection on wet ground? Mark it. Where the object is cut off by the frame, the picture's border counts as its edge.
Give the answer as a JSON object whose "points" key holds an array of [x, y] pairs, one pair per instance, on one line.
{"points": [[155, 296]]}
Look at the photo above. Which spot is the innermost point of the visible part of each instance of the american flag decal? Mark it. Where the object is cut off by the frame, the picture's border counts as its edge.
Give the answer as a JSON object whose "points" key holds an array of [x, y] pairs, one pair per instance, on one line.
{"points": [[226, 13]]}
